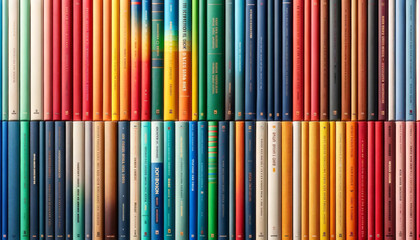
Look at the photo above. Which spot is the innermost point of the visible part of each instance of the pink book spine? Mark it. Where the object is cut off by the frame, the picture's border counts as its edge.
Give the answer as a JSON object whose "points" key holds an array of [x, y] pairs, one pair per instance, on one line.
{"points": [[56, 58], [410, 166], [48, 60], [66, 60], [371, 181], [77, 60], [87, 59], [400, 180], [418, 179]]}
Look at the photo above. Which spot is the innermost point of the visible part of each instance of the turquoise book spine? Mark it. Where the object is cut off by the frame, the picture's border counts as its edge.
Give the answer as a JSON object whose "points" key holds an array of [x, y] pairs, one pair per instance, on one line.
{"points": [[202, 186], [169, 175], [24, 180], [145, 181]]}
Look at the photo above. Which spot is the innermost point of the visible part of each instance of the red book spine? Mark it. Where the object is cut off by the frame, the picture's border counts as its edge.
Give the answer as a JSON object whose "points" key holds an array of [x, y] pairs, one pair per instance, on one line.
{"points": [[48, 60], [371, 180], [66, 60], [315, 61], [56, 60], [298, 41], [383, 60], [418, 179], [363, 154], [379, 177], [389, 181], [307, 61], [77, 60], [87, 59]]}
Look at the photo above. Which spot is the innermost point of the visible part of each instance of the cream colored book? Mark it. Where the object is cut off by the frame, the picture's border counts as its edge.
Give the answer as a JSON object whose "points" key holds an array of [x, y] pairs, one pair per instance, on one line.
{"points": [[261, 181], [391, 60], [400, 169], [297, 161], [98, 181], [340, 184], [135, 180], [88, 178], [314, 155], [37, 80], [13, 60], [78, 176]]}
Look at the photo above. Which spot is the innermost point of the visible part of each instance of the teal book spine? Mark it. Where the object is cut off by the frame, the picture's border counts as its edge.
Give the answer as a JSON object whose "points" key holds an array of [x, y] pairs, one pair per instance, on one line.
{"points": [[169, 175], [24, 38], [24, 180], [13, 181], [181, 181], [78, 180], [239, 59], [5, 60], [156, 181], [157, 59], [145, 181], [202, 180], [212, 180], [202, 60]]}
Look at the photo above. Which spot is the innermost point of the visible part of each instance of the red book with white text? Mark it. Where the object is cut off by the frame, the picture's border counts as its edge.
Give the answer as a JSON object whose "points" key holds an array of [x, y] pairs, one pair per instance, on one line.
{"points": [[77, 60], [371, 180], [56, 73], [307, 61], [66, 61], [379, 178], [315, 58], [363, 156], [298, 62], [389, 180], [87, 60]]}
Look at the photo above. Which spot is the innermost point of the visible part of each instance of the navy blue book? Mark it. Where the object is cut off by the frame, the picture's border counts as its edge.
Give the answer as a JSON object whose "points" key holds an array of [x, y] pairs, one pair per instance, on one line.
{"points": [[13, 174], [277, 60], [34, 180], [69, 180], [250, 180], [60, 178], [193, 179], [287, 36], [223, 181], [250, 59], [123, 176], [4, 176], [270, 60], [262, 60], [202, 180], [156, 181], [50, 180], [42, 178]]}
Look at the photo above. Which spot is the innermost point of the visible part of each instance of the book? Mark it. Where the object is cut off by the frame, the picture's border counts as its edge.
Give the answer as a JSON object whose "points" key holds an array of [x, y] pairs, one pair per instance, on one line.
{"points": [[202, 60], [78, 60], [13, 62], [307, 58], [5, 61], [181, 180], [97, 61], [124, 60], [98, 180], [145, 179], [345, 59], [261, 190], [417, 170], [169, 174], [278, 59], [379, 179], [229, 60], [332, 179], [286, 180], [56, 59], [340, 158], [192, 179], [298, 59], [157, 59], [156, 208], [59, 179], [372, 63], [135, 60], [297, 180], [353, 60], [410, 68], [42, 178], [240, 179], [185, 63], [194, 59], [24, 60], [324, 62], [115, 57], [79, 182], [286, 67], [251, 45], [239, 64], [170, 71], [305, 179], [212, 179], [47, 59], [250, 181], [123, 175], [366, 156], [36, 61], [273, 180], [410, 182], [270, 60], [69, 180], [351, 180], [417, 63], [313, 21], [4, 180], [34, 162], [111, 183], [383, 55], [202, 180], [13, 220], [391, 61], [88, 180], [49, 180], [232, 179], [24, 180], [362, 58], [334, 40], [400, 58], [389, 180], [261, 100], [400, 178], [314, 179], [146, 29], [66, 60], [107, 61], [223, 181], [136, 184], [324, 174], [371, 175]]}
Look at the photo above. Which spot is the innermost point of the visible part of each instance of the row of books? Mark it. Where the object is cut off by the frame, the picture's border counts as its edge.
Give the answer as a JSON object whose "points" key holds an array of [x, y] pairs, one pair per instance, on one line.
{"points": [[210, 60], [210, 180]]}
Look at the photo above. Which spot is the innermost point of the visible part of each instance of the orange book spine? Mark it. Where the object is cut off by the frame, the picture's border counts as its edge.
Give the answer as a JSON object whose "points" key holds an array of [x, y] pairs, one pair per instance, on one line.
{"points": [[287, 180], [305, 180], [314, 183], [332, 180], [107, 62], [362, 60], [353, 90], [323, 63], [97, 60], [345, 58], [298, 68], [125, 70], [351, 180], [307, 61]]}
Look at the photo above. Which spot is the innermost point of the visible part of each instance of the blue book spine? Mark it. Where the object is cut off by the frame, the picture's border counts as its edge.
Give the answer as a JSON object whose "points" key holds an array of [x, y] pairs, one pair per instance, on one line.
{"points": [[42, 178], [34, 180], [60, 184], [50, 180], [157, 178], [145, 179], [400, 60], [250, 59], [270, 60], [277, 60], [262, 60], [1, 60], [202, 180], [223, 181], [4, 178], [88, 179], [287, 60], [123, 176], [69, 180], [13, 174], [250, 180], [239, 9], [410, 101], [193, 180], [169, 177], [232, 180]]}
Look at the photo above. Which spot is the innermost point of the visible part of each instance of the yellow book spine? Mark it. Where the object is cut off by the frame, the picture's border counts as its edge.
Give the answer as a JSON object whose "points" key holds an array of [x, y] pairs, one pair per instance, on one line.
{"points": [[287, 180], [314, 180], [115, 55], [305, 180], [125, 39], [324, 165], [351, 180], [332, 180], [340, 183]]}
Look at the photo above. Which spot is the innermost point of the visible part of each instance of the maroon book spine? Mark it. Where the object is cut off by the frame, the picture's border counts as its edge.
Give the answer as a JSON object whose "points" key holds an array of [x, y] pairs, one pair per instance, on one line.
{"points": [[389, 181]]}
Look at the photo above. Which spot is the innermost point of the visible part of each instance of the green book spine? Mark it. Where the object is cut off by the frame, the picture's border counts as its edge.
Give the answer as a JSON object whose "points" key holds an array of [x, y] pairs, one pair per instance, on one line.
{"points": [[212, 183], [215, 60], [202, 59], [24, 88], [145, 181], [181, 181], [169, 175], [157, 59], [24, 180], [230, 61], [5, 60]]}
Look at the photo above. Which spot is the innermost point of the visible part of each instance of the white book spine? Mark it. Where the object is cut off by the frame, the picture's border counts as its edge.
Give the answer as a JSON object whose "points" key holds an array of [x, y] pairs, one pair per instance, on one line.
{"points": [[13, 60], [391, 60], [78, 174], [135, 180], [261, 181], [37, 81], [274, 181], [400, 180], [297, 159], [418, 62], [88, 178]]}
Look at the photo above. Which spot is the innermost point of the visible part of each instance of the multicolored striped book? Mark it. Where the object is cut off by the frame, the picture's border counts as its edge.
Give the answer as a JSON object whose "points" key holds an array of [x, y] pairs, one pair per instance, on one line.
{"points": [[185, 64], [212, 179], [146, 33]]}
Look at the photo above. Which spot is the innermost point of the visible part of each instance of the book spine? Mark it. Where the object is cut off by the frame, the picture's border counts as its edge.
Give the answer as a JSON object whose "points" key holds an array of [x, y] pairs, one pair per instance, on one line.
{"points": [[202, 180], [324, 171], [229, 60], [391, 61], [88, 180], [185, 64], [110, 176], [145, 179], [305, 180], [297, 180], [47, 60], [123, 175], [36, 60], [49, 180], [192, 153], [115, 59], [323, 62], [417, 60], [366, 156], [314, 179], [379, 180], [194, 58], [298, 59], [410, 187], [79, 181], [146, 29], [202, 60], [340, 158], [24, 180], [362, 67], [389, 180], [223, 181], [107, 61], [169, 174], [286, 66], [124, 63], [250, 59], [181, 180], [400, 194], [59, 178], [170, 80], [400, 12], [370, 223], [69, 180], [239, 59], [157, 59], [4, 180], [313, 71], [354, 59], [335, 60], [97, 61], [273, 180], [4, 60], [383, 60], [42, 179], [270, 60], [286, 180], [410, 68], [13, 220], [66, 59], [277, 59], [372, 62], [232, 180], [240, 179], [34, 162], [332, 179], [261, 164], [156, 178], [98, 181], [56, 60], [417, 172], [135, 61], [249, 161], [351, 180], [13, 48], [261, 100], [136, 181], [77, 60], [307, 51], [1, 60], [24, 60], [212, 179], [345, 59]]}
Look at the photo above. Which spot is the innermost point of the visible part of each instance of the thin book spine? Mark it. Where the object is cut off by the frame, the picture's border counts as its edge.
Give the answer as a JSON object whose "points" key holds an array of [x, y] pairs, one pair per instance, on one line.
{"points": [[371, 174], [324, 62], [185, 63], [49, 180], [351, 180], [42, 178], [202, 180], [372, 62], [277, 59], [77, 60], [314, 179], [410, 67], [169, 175], [135, 61], [400, 58], [410, 187], [400, 180], [417, 64], [240, 179], [261, 191], [4, 181], [250, 60], [135, 180], [181, 180], [383, 55], [24, 60], [194, 58], [47, 63], [305, 179], [250, 180], [340, 156], [391, 61], [56, 60], [88, 180], [297, 180], [239, 59], [115, 58], [365, 133], [286, 66], [315, 59], [111, 176], [223, 182], [157, 59], [298, 59], [34, 162], [66, 60], [232, 180], [124, 63], [156, 229], [97, 61], [146, 33], [417, 172], [98, 181], [324, 171], [286, 180], [202, 60], [310, 18], [107, 61], [334, 60], [13, 220], [332, 178], [59, 178], [69, 180], [192, 153], [145, 179], [270, 60], [362, 67], [261, 101], [123, 175], [24, 181], [212, 179], [78, 178], [379, 179], [13, 67], [354, 61], [229, 60], [345, 59], [389, 180], [5, 60]]}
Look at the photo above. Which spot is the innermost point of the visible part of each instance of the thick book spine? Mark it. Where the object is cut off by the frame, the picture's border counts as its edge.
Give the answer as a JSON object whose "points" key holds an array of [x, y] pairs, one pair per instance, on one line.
{"points": [[353, 60], [169, 175], [156, 172], [24, 180], [261, 101], [372, 62], [66, 60], [314, 179], [123, 176], [202, 60], [146, 33], [212, 179], [400, 69], [351, 180], [379, 180], [229, 60], [362, 66], [24, 60], [313, 75], [110, 176], [56, 60], [324, 173], [97, 61], [223, 181], [79, 182], [249, 161], [340, 157], [370, 223], [270, 60], [69, 180], [307, 51], [334, 40], [34, 162], [170, 81], [202, 180], [298, 59], [115, 59], [194, 58], [286, 66], [332, 179], [5, 60], [185, 64], [107, 61], [277, 59], [240, 180], [181, 180], [4, 180], [192, 160], [383, 56], [88, 180], [297, 180], [261, 191], [59, 178], [400, 170], [136, 180], [135, 61], [410, 187], [389, 180], [98, 181], [124, 63], [13, 48], [286, 180], [305, 180], [36, 58], [49, 180], [47, 59], [13, 220], [324, 62], [239, 59], [232, 180], [410, 61], [250, 59], [345, 59], [77, 60], [365, 157], [145, 179], [157, 59]]}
